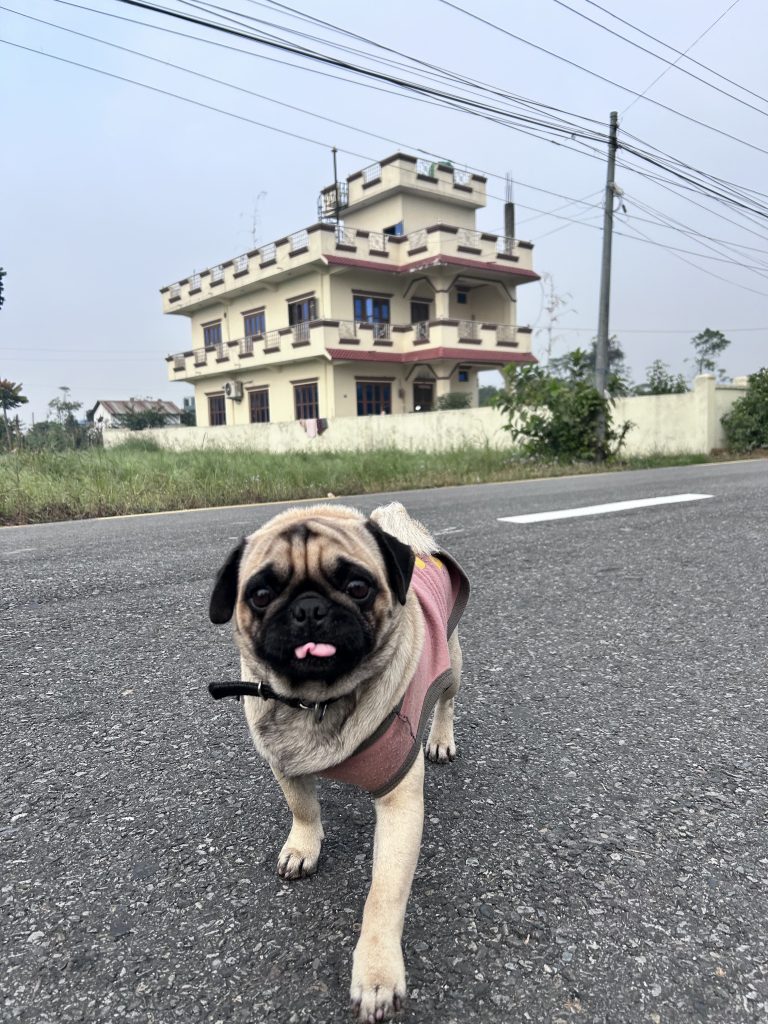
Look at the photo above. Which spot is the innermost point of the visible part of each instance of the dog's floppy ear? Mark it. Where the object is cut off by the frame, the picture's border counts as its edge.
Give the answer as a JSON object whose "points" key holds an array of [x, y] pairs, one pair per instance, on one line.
{"points": [[224, 592], [399, 560]]}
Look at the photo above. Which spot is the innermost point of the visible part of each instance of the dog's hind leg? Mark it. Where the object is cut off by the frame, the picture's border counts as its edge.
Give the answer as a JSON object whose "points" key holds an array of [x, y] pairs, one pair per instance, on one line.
{"points": [[378, 969], [440, 743], [301, 852]]}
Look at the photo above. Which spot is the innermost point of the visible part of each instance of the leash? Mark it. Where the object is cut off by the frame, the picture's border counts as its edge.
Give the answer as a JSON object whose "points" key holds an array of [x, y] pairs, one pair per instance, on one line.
{"points": [[238, 689]]}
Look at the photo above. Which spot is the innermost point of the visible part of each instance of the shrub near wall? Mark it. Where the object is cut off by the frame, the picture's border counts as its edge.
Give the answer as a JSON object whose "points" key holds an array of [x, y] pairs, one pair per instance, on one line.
{"points": [[746, 425]]}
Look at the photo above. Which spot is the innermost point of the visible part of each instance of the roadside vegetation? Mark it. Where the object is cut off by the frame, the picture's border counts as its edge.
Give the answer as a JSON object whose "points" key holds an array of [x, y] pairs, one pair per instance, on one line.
{"points": [[38, 487], [58, 469]]}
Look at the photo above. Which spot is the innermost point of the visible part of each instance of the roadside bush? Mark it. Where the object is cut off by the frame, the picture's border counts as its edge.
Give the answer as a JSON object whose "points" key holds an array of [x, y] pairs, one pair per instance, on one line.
{"points": [[746, 425], [454, 400], [48, 435], [557, 417]]}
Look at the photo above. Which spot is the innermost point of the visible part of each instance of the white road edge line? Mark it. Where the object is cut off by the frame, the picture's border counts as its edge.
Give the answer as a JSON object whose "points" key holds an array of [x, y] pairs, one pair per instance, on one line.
{"points": [[594, 510]]}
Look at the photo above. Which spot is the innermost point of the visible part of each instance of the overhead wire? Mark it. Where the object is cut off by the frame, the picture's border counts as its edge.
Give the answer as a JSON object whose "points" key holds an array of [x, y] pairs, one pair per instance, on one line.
{"points": [[671, 65], [594, 74]]}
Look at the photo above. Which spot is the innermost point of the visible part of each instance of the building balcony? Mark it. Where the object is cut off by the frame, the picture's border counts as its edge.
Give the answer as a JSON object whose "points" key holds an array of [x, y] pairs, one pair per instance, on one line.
{"points": [[325, 245], [466, 340]]}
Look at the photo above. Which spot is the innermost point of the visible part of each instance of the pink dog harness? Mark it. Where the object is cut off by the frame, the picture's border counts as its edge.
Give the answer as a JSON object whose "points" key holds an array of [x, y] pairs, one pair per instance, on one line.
{"points": [[381, 761]]}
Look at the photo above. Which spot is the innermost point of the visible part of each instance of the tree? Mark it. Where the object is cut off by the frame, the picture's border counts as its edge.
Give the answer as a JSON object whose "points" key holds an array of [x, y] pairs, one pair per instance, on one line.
{"points": [[143, 419], [454, 400], [486, 394], [64, 408], [557, 416], [659, 380], [617, 382], [707, 345], [2, 287], [746, 425], [10, 398]]}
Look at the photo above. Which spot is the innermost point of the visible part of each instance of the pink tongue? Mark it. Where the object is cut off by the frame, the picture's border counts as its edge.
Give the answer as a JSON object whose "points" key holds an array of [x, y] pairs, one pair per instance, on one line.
{"points": [[318, 650]]}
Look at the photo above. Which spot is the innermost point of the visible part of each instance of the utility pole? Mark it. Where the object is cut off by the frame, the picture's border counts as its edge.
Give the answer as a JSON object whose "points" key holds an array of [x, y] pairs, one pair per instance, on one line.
{"points": [[601, 351]]}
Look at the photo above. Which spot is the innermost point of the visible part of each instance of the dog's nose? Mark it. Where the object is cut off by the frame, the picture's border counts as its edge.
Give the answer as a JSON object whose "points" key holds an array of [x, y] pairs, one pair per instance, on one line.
{"points": [[309, 608]]}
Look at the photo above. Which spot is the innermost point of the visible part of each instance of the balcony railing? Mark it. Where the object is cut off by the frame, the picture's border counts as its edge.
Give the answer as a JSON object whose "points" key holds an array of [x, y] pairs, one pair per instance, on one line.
{"points": [[378, 244], [402, 337], [345, 236], [371, 173], [298, 240], [301, 333], [461, 177], [417, 239], [472, 239]]}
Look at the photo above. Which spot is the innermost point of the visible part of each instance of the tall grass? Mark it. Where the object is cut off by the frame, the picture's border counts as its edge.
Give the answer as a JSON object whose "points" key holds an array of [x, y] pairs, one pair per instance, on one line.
{"points": [[37, 487]]}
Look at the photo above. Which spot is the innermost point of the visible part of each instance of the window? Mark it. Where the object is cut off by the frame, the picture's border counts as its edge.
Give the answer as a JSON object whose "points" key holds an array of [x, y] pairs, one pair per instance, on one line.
{"points": [[212, 334], [217, 413], [254, 324], [395, 229], [305, 401], [371, 309], [463, 376], [419, 311], [461, 298], [373, 397], [258, 401], [302, 311]]}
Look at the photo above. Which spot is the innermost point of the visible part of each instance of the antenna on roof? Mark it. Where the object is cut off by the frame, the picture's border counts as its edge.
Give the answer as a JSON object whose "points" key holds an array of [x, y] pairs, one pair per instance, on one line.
{"points": [[509, 213]]}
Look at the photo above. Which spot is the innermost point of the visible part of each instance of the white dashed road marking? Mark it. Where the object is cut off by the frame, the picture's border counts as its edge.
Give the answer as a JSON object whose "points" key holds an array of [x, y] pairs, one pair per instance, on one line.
{"points": [[594, 510]]}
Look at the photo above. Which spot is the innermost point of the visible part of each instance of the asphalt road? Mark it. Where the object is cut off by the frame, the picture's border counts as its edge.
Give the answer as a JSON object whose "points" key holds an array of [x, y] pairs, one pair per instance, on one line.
{"points": [[597, 853]]}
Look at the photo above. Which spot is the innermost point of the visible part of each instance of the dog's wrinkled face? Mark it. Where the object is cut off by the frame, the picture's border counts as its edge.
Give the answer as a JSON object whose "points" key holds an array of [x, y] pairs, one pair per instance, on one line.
{"points": [[313, 593]]}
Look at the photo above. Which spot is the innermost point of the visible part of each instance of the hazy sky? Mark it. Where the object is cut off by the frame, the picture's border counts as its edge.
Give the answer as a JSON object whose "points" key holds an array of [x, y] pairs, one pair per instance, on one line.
{"points": [[110, 190]]}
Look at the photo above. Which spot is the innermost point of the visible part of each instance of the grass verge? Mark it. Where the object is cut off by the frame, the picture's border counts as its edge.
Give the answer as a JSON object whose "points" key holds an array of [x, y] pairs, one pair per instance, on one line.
{"points": [[40, 487]]}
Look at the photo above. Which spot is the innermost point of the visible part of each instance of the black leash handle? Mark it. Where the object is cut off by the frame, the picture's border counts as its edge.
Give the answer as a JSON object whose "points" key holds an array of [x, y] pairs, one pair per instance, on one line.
{"points": [[235, 689]]}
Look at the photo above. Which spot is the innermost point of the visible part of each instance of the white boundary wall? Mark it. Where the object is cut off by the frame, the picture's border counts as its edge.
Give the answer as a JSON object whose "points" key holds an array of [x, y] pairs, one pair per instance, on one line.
{"points": [[662, 424]]}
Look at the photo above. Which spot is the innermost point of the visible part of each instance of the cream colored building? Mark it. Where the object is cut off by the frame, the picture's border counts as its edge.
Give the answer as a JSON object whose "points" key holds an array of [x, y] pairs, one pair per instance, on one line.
{"points": [[392, 300]]}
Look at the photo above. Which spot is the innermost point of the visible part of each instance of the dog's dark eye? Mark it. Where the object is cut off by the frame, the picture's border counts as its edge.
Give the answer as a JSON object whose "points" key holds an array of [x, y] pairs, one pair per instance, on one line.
{"points": [[358, 590], [260, 598]]}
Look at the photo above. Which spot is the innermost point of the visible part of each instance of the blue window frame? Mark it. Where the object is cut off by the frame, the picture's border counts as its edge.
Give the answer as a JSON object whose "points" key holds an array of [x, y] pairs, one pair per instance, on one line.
{"points": [[212, 335], [371, 309], [305, 401], [254, 324], [374, 397]]}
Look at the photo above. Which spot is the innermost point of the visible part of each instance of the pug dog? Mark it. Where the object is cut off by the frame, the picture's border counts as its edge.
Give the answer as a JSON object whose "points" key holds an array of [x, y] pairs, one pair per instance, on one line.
{"points": [[346, 628]]}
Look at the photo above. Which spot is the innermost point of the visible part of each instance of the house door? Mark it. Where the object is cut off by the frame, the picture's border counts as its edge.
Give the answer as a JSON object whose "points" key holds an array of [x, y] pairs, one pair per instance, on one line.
{"points": [[423, 395]]}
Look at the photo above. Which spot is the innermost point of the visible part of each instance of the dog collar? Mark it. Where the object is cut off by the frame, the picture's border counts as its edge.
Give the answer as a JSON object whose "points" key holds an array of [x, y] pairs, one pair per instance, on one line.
{"points": [[238, 689]]}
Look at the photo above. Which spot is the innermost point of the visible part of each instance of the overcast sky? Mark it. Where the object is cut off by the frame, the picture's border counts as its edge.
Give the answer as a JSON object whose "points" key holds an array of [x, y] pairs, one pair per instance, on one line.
{"points": [[111, 190]]}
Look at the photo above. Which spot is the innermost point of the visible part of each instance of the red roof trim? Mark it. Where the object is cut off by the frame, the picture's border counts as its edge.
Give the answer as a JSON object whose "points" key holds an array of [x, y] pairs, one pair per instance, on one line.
{"points": [[430, 354], [433, 261]]}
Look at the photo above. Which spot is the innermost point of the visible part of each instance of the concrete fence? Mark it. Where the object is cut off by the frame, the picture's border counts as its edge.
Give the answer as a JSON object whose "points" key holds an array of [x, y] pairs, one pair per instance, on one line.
{"points": [[661, 424]]}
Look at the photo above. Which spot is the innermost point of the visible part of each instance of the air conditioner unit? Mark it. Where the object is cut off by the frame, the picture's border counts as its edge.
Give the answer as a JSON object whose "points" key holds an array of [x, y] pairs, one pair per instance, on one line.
{"points": [[233, 389]]}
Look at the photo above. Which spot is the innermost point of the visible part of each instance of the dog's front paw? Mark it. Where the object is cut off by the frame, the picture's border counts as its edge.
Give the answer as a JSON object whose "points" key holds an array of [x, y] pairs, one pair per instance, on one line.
{"points": [[378, 981], [299, 857], [440, 748]]}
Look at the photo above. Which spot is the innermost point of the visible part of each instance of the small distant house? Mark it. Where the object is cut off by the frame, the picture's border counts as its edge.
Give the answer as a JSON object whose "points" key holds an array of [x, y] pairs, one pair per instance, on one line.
{"points": [[106, 414]]}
